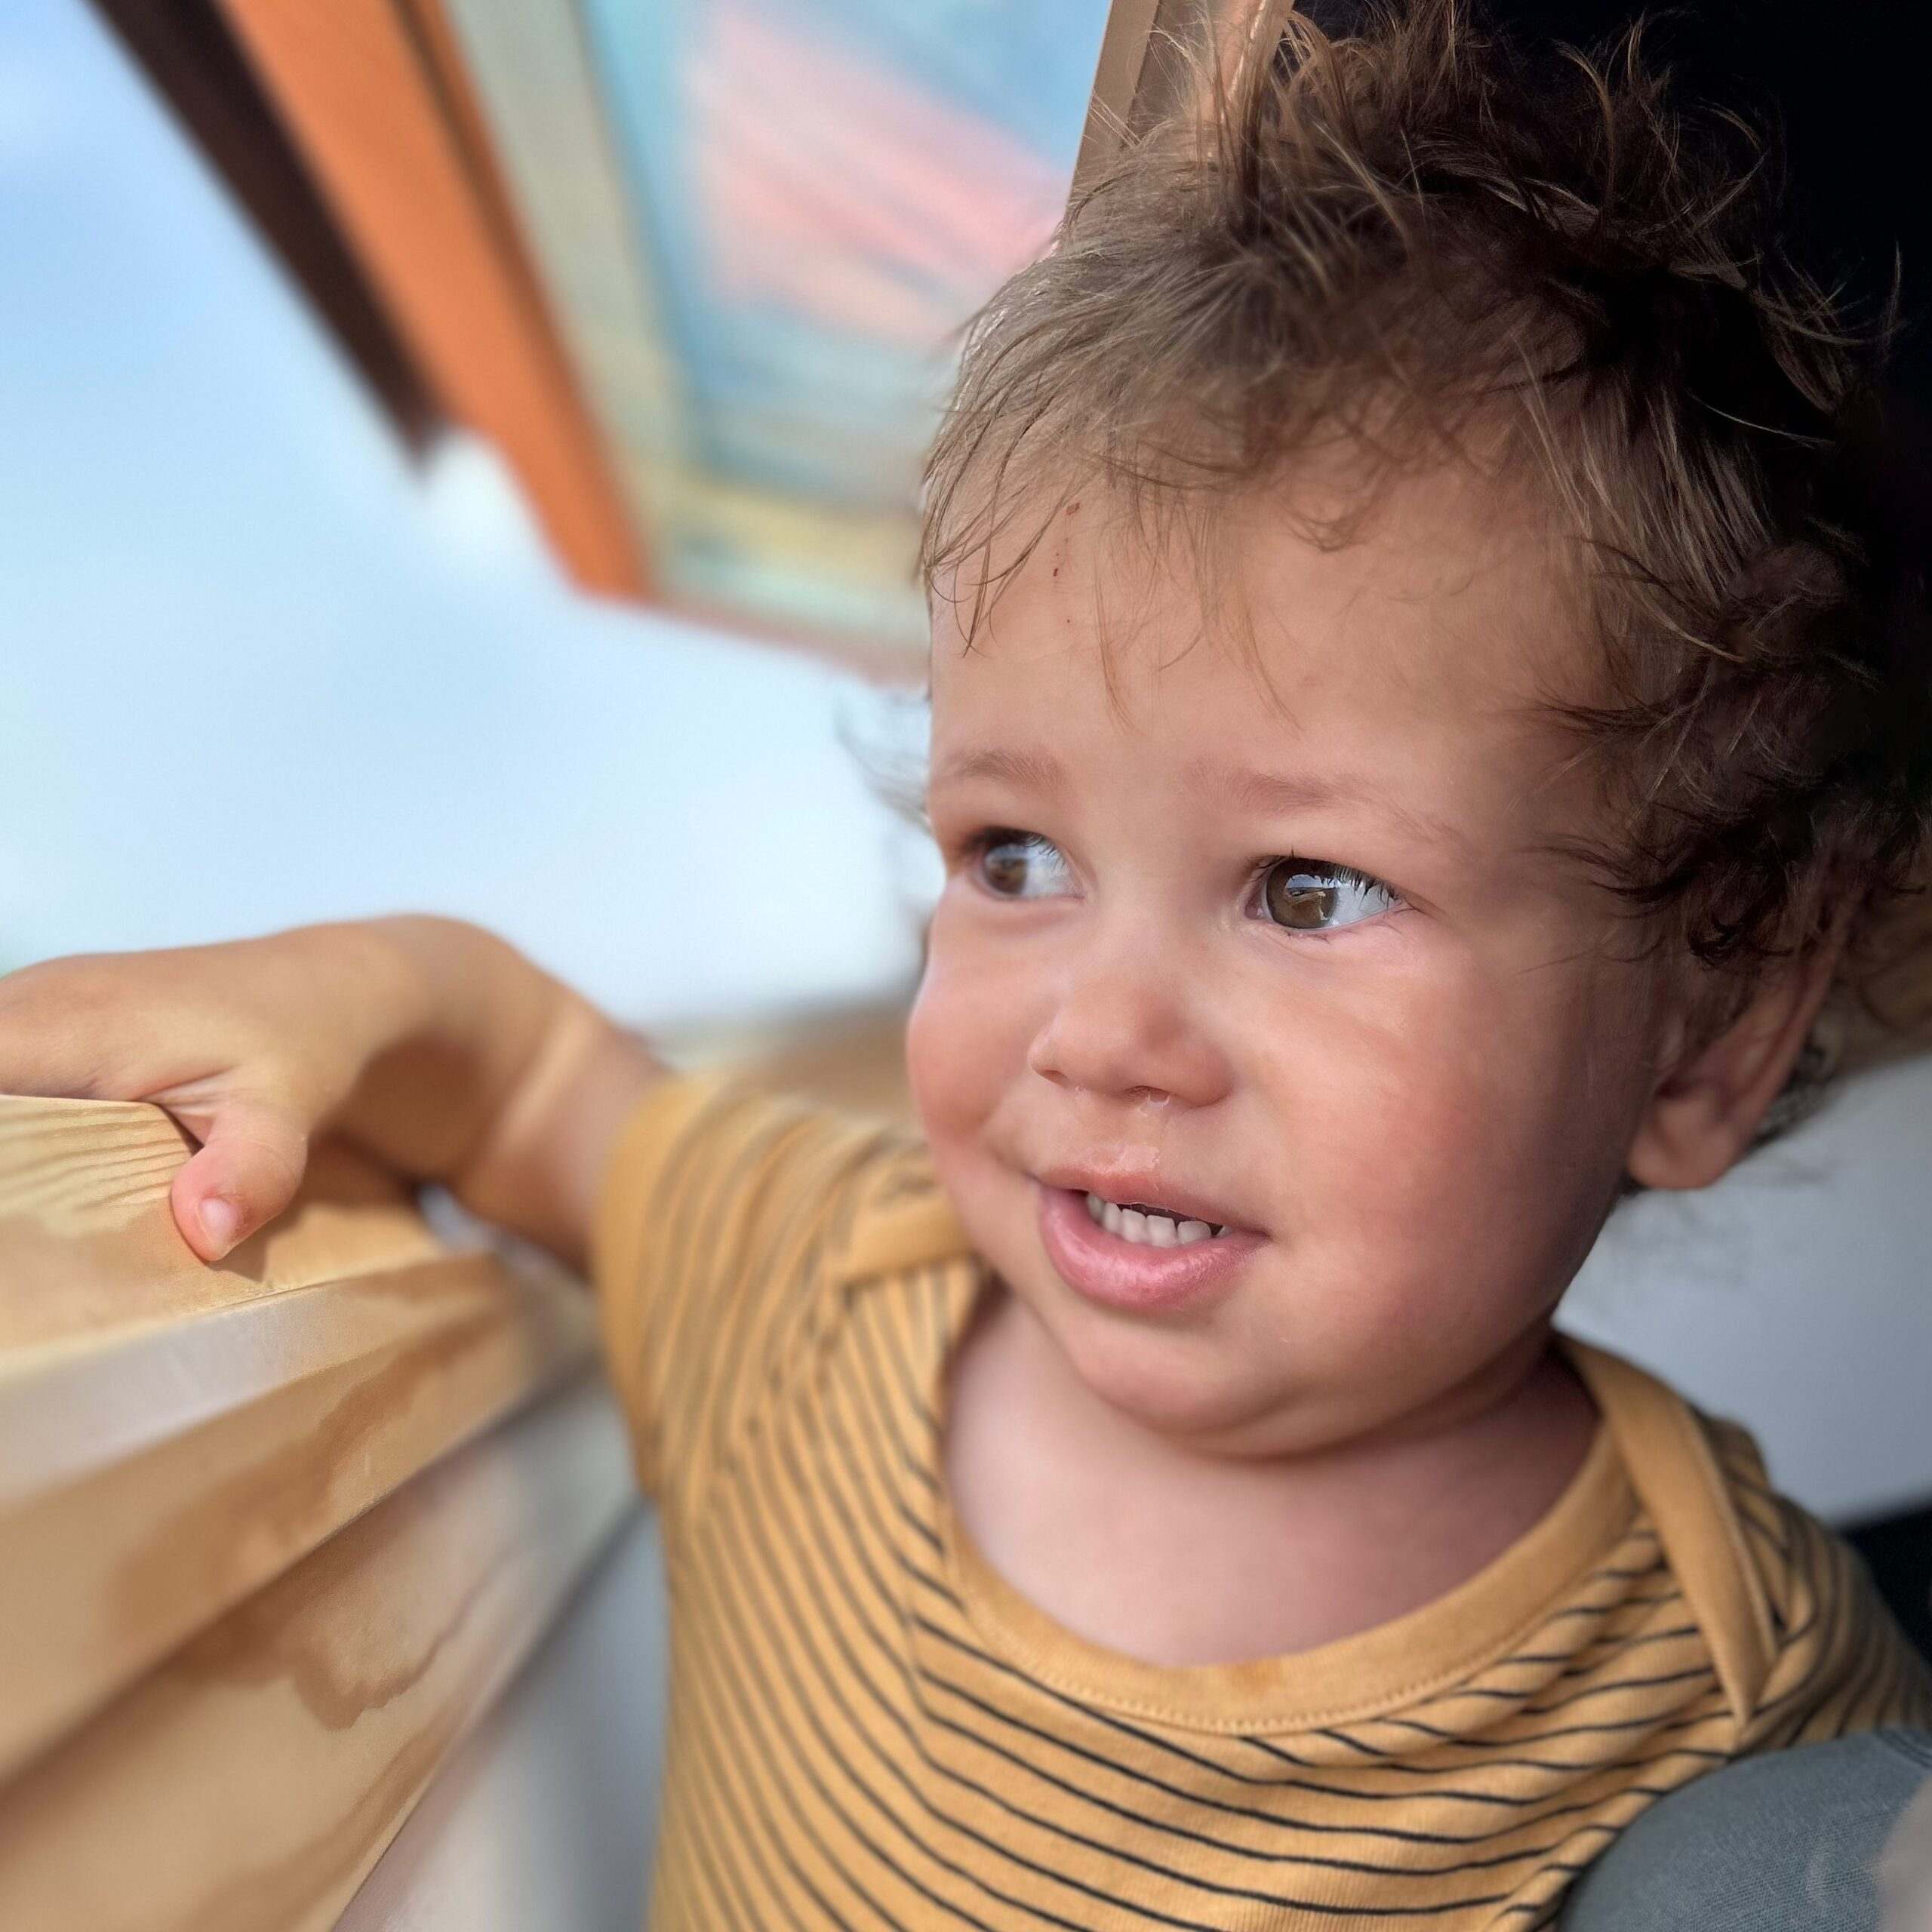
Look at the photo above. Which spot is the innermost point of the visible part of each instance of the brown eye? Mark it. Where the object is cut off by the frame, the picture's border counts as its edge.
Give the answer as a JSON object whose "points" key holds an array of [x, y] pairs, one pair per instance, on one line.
{"points": [[1005, 868], [1297, 900], [1022, 864], [1310, 896]]}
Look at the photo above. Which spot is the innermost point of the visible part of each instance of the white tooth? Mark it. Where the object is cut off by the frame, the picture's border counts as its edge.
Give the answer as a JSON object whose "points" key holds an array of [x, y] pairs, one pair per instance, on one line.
{"points": [[1110, 1217], [1133, 1225], [1096, 1207], [1190, 1231], [1161, 1231]]}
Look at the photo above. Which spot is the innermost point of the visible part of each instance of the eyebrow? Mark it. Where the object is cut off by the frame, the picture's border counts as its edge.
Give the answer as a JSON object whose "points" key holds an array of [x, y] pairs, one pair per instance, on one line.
{"points": [[1033, 771], [1272, 791], [1261, 792]]}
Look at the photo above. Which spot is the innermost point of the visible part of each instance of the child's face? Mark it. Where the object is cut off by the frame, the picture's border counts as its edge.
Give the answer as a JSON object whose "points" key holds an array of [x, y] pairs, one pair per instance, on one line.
{"points": [[1407, 1088]]}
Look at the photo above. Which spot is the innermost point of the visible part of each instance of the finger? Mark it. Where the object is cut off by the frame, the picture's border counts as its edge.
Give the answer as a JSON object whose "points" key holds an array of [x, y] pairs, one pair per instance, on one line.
{"points": [[244, 1173]]}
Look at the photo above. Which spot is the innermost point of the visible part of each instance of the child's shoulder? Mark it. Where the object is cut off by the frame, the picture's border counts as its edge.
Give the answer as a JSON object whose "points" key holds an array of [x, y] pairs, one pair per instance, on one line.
{"points": [[716, 1147], [1798, 1635], [733, 1224]]}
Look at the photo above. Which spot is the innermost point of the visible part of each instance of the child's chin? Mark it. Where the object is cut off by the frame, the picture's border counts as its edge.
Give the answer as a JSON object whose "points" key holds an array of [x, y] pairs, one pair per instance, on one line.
{"points": [[1178, 1385]]}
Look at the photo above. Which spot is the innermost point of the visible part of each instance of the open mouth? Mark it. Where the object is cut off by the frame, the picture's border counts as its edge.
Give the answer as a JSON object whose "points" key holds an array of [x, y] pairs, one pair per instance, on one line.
{"points": [[1149, 1225], [1144, 1257]]}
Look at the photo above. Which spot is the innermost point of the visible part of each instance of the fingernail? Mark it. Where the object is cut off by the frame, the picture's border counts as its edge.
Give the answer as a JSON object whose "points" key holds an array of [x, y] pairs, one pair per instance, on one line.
{"points": [[219, 1219]]}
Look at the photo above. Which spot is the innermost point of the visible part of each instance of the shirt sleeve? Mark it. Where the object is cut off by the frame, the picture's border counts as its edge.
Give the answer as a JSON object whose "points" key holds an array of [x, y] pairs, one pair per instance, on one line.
{"points": [[724, 1220]]}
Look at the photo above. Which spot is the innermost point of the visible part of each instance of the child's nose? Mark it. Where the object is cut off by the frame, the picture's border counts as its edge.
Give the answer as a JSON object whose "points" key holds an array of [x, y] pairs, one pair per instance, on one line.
{"points": [[1123, 1027]]}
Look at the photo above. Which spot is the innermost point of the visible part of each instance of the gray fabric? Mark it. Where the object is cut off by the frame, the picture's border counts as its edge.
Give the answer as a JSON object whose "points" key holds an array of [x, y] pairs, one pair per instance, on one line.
{"points": [[1788, 1842]]}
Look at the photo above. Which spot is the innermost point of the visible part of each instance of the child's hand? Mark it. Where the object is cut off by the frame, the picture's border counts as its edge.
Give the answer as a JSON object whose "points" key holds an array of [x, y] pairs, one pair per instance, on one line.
{"points": [[435, 1046], [251, 1046]]}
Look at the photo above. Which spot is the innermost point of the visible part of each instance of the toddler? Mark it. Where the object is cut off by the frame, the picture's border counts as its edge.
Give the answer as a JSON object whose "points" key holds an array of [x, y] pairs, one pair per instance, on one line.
{"points": [[1427, 714]]}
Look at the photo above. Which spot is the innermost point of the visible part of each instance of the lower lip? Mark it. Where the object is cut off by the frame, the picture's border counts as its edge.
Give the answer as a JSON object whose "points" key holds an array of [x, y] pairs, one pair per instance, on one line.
{"points": [[1128, 1275]]}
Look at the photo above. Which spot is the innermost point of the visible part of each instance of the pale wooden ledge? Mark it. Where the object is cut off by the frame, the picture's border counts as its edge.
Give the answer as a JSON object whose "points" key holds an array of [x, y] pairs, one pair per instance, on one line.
{"points": [[253, 1780], [93, 1176], [274, 1533], [229, 1507]]}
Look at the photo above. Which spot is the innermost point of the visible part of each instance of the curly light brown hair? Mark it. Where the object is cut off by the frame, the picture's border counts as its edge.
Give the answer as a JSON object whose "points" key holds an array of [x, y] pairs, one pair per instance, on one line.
{"points": [[1404, 237]]}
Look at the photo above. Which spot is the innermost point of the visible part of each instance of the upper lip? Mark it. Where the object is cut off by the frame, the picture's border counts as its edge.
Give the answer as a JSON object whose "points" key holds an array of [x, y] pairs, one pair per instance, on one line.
{"points": [[1126, 1184]]}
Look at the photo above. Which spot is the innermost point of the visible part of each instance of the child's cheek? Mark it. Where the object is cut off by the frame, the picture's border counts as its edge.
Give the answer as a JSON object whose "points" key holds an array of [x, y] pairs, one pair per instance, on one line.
{"points": [[1467, 1169], [962, 1040], [1429, 1125]]}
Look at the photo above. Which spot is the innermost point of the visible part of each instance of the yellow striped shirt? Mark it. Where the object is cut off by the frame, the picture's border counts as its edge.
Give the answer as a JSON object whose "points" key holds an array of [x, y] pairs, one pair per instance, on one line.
{"points": [[868, 1728]]}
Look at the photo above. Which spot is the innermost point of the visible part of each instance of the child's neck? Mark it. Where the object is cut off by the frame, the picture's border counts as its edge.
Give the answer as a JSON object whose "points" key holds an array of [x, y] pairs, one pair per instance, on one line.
{"points": [[1148, 1547]]}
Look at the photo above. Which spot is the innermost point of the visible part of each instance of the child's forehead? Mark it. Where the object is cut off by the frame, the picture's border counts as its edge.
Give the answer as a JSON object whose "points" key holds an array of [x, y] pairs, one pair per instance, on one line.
{"points": [[1346, 692], [1445, 590]]}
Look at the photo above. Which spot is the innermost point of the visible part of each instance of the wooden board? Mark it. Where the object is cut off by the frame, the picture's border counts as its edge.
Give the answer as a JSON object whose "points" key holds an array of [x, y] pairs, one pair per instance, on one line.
{"points": [[172, 1436], [358, 86], [1143, 70], [252, 1780], [90, 1178], [545, 1820]]}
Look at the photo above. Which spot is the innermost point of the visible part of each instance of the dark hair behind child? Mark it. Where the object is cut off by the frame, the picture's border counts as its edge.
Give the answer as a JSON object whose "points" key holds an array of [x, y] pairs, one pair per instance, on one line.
{"points": [[1420, 240]]}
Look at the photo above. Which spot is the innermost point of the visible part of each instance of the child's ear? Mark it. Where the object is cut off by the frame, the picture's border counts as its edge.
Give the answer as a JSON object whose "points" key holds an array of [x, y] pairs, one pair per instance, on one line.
{"points": [[1706, 1109]]}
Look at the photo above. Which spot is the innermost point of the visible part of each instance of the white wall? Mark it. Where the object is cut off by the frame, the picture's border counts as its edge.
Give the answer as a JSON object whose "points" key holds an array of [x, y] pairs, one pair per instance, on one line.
{"points": [[1796, 1295]]}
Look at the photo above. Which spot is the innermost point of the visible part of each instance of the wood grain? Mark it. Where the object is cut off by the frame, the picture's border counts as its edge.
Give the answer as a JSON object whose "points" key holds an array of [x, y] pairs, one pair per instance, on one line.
{"points": [[546, 1819], [173, 1436], [97, 1173], [252, 1780]]}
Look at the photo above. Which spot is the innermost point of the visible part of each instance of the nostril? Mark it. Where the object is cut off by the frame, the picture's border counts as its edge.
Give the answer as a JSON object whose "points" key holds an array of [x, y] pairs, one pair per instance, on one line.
{"points": [[1129, 1042]]}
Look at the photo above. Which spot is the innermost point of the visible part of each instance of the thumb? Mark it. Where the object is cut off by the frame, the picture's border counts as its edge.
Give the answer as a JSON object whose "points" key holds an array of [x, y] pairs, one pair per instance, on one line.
{"points": [[244, 1173]]}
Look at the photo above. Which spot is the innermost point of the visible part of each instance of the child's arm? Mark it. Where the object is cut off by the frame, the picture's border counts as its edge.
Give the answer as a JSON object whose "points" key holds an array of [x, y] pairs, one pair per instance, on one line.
{"points": [[431, 1043]]}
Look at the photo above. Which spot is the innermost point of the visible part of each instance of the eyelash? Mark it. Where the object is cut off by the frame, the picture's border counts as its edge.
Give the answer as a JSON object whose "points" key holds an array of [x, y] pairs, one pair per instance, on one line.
{"points": [[974, 852], [980, 844]]}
